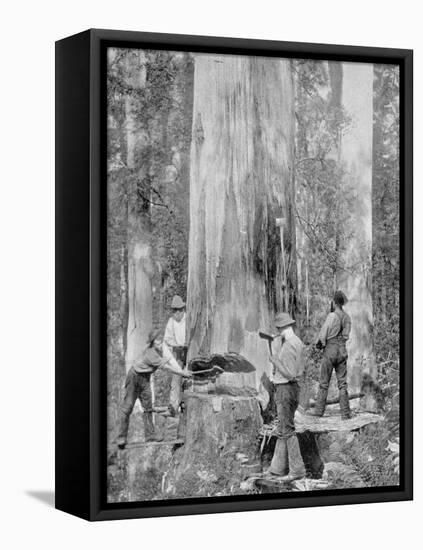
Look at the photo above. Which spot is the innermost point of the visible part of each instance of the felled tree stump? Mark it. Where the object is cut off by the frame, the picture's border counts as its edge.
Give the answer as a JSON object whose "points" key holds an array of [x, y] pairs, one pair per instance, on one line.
{"points": [[136, 473], [221, 446]]}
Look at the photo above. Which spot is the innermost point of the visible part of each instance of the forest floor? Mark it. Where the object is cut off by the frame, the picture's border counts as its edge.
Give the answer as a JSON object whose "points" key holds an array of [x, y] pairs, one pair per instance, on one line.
{"points": [[356, 453]]}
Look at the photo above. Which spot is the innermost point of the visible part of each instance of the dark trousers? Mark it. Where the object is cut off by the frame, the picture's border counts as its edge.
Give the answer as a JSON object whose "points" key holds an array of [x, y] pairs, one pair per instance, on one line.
{"points": [[334, 359], [137, 386], [308, 456], [286, 399], [180, 352]]}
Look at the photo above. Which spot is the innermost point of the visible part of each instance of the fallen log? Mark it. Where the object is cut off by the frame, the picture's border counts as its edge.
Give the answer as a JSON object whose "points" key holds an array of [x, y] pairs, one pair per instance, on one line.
{"points": [[330, 422], [140, 444], [225, 373], [226, 362], [334, 400]]}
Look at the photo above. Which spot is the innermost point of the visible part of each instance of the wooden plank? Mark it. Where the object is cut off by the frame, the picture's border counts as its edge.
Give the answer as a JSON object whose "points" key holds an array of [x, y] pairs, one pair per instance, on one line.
{"points": [[138, 444], [330, 422]]}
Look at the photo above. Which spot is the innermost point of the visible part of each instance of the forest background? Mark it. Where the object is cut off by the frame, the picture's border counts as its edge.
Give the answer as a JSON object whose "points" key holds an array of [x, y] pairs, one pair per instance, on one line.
{"points": [[151, 131]]}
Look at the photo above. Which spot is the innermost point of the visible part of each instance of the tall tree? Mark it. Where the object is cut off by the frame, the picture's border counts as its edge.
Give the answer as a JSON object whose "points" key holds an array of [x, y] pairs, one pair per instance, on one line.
{"points": [[320, 206], [356, 156], [385, 281], [241, 181], [149, 132]]}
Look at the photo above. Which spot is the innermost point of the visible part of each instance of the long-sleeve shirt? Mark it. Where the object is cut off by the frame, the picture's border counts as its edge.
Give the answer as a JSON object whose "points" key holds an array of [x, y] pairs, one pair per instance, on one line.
{"points": [[336, 324], [289, 357], [151, 360], [175, 332]]}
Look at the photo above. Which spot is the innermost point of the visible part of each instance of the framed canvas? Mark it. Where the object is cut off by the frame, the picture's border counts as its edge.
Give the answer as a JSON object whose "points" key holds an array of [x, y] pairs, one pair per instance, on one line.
{"points": [[233, 274]]}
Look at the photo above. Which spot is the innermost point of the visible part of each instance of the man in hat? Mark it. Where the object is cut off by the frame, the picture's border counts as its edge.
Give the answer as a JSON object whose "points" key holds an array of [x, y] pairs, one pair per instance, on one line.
{"points": [[288, 365], [175, 344], [137, 386], [332, 338]]}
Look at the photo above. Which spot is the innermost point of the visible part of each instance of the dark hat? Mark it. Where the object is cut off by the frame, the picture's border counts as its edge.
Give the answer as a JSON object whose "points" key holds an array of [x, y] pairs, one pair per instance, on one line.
{"points": [[283, 320], [177, 302], [340, 298], [152, 335]]}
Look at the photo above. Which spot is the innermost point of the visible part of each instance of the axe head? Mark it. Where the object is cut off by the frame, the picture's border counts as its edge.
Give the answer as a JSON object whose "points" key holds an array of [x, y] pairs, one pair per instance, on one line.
{"points": [[266, 336]]}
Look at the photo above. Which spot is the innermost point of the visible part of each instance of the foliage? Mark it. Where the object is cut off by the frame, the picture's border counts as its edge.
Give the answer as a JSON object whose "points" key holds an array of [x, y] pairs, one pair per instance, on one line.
{"points": [[322, 204], [149, 129], [371, 455], [148, 176]]}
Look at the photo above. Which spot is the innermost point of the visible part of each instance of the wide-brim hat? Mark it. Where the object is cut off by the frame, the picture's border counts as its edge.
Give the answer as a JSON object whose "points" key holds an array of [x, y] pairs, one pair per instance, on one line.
{"points": [[283, 320], [177, 302]]}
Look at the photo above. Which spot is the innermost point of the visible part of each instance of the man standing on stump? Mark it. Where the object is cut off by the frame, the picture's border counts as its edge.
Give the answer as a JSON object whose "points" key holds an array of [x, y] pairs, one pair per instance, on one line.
{"points": [[333, 338], [137, 386], [288, 365]]}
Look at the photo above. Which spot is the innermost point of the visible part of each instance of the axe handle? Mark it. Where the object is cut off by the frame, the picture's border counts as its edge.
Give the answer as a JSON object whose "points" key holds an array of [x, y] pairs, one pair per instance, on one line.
{"points": [[215, 368], [270, 347]]}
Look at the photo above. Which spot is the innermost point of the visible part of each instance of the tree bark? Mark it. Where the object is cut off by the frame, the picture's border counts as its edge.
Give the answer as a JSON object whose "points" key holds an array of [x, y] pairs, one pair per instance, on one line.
{"points": [[221, 446], [355, 279], [140, 264], [241, 180]]}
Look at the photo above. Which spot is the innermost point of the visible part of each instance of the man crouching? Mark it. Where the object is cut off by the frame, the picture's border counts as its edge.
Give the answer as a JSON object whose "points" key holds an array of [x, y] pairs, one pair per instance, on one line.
{"points": [[137, 386], [288, 366]]}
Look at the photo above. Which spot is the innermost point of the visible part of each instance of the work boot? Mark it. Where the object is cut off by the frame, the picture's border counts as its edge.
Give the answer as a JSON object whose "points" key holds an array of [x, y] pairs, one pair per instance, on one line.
{"points": [[295, 460], [319, 407], [311, 456], [344, 405], [149, 431], [123, 430], [280, 465]]}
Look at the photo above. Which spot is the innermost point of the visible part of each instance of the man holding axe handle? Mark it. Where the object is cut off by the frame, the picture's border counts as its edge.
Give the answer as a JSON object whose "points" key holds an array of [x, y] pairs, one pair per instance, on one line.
{"points": [[288, 365], [137, 386], [175, 344]]}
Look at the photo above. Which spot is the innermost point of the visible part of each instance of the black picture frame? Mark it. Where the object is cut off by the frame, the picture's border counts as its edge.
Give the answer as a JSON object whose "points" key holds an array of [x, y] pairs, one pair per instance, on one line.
{"points": [[81, 314]]}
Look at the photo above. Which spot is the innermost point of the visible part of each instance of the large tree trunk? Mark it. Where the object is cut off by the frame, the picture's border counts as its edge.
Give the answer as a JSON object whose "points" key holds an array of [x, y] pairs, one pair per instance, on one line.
{"points": [[355, 279], [241, 179], [221, 446], [140, 264]]}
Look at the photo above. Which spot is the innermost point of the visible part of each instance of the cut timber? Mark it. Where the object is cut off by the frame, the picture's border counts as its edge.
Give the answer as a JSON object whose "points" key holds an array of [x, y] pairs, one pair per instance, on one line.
{"points": [[224, 373], [268, 483], [221, 446], [138, 444], [333, 400], [332, 422]]}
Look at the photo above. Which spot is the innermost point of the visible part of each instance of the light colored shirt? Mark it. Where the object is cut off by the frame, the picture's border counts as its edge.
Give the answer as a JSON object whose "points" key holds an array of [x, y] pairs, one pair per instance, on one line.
{"points": [[151, 360], [336, 324], [289, 356], [175, 332]]}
